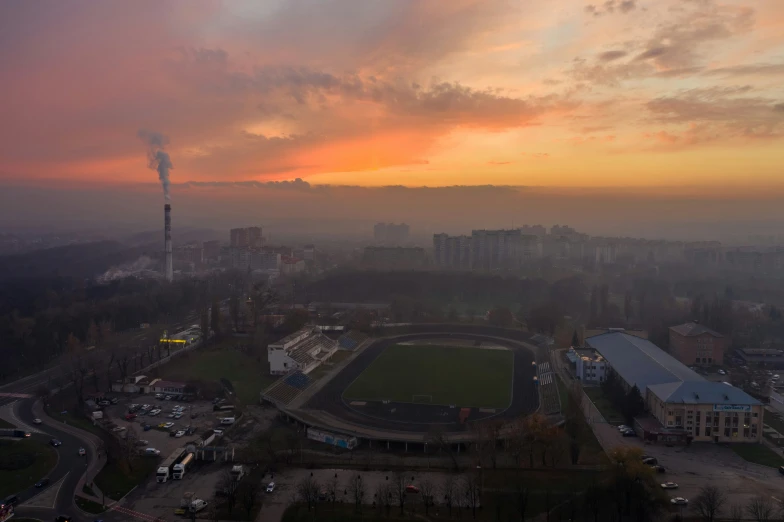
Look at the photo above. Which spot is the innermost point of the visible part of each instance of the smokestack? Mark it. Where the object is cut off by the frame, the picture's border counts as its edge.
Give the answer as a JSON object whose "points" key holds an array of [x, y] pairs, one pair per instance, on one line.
{"points": [[167, 244]]}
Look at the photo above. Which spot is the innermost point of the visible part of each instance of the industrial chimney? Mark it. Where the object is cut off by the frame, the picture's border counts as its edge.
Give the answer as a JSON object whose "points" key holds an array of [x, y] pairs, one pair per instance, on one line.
{"points": [[167, 244]]}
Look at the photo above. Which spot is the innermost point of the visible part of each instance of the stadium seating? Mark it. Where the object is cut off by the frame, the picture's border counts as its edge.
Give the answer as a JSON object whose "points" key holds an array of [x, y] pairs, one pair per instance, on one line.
{"points": [[350, 340], [298, 380], [288, 388]]}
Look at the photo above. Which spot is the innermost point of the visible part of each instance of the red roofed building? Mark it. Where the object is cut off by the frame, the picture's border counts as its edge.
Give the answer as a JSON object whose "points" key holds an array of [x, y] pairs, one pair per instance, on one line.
{"points": [[694, 344]]}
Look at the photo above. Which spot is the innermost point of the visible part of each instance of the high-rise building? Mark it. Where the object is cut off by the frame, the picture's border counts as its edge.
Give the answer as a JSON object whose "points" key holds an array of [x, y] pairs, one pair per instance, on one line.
{"points": [[246, 237], [452, 252], [390, 233], [394, 258]]}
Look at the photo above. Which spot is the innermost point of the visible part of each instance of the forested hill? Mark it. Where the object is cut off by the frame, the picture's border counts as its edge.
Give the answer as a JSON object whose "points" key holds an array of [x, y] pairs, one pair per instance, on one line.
{"points": [[84, 260]]}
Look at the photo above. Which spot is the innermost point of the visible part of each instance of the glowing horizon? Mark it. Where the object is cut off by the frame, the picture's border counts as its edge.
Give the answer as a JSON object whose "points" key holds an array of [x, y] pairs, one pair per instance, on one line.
{"points": [[620, 93]]}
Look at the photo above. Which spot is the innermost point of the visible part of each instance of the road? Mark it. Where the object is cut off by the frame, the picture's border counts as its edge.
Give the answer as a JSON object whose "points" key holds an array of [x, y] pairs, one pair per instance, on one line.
{"points": [[19, 401]]}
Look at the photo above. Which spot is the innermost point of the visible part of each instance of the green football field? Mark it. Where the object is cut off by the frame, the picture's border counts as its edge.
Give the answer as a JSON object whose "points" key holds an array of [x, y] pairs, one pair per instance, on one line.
{"points": [[446, 375]]}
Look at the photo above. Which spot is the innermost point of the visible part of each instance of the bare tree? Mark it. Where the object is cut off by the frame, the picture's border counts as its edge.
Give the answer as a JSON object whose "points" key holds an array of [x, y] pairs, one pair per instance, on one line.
{"points": [[736, 513], [709, 502], [128, 448], [399, 489], [760, 509], [449, 489], [472, 491], [593, 500], [438, 439], [331, 489], [228, 485], [357, 490], [522, 494], [428, 489], [249, 495], [308, 492]]}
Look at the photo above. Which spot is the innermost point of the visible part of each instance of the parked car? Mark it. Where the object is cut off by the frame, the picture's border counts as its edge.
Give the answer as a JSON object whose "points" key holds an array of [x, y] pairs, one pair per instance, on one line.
{"points": [[167, 425], [629, 433], [669, 485], [147, 427], [781, 470], [623, 427], [42, 483], [722, 372], [159, 396], [218, 433], [179, 433], [152, 452], [651, 461], [679, 501], [658, 469], [167, 398], [177, 415], [270, 487], [412, 489], [56, 443], [82, 452], [130, 416], [118, 429], [142, 442], [11, 500]]}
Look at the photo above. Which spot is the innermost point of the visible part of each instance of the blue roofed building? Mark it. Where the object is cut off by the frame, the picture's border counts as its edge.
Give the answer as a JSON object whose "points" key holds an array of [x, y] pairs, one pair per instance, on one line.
{"points": [[681, 400]]}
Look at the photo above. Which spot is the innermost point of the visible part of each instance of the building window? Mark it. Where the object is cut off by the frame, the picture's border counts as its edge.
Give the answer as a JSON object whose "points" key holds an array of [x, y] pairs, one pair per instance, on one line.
{"points": [[726, 421], [669, 423], [734, 432], [710, 360], [678, 420], [726, 432], [746, 432], [669, 412], [707, 431], [755, 414]]}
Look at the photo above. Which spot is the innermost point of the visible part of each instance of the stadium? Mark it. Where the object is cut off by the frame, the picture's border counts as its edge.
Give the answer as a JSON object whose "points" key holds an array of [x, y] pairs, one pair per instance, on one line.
{"points": [[402, 388]]}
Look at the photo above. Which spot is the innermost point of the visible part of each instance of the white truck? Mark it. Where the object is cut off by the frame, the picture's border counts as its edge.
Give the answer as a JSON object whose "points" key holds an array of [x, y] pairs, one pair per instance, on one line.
{"points": [[178, 471], [165, 470], [197, 505], [237, 472]]}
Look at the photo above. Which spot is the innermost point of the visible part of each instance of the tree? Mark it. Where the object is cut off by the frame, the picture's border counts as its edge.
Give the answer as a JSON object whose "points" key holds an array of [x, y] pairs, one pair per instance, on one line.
{"points": [[204, 325], [500, 316], [575, 340], [628, 311], [357, 490], [594, 303], [604, 299], [709, 502], [215, 318], [594, 500], [399, 489], [438, 439], [545, 319], [633, 404], [473, 491], [736, 513], [262, 297], [229, 486], [521, 495], [760, 509], [308, 492], [234, 311], [448, 488], [249, 496], [428, 490]]}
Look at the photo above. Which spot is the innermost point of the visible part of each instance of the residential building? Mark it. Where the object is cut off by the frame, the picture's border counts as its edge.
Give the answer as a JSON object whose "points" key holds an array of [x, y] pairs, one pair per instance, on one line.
{"points": [[590, 368], [192, 253], [303, 350], [390, 233], [291, 265], [682, 404], [697, 345], [161, 386], [452, 252], [246, 237], [212, 249]]}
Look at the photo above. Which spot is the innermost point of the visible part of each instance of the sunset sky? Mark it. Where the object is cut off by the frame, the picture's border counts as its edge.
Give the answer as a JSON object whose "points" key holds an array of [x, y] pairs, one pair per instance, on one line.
{"points": [[676, 97], [420, 92]]}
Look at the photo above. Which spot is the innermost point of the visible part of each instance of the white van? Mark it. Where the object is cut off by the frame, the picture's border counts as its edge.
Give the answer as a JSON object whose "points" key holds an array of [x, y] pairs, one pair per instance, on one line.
{"points": [[227, 420], [152, 452], [197, 505]]}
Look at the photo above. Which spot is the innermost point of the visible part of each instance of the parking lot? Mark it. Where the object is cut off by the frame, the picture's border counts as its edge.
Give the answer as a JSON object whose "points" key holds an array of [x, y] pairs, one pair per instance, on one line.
{"points": [[197, 416]]}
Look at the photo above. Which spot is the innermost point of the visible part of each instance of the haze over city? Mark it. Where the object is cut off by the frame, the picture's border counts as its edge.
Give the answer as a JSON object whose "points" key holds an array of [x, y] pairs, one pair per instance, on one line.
{"points": [[391, 260]]}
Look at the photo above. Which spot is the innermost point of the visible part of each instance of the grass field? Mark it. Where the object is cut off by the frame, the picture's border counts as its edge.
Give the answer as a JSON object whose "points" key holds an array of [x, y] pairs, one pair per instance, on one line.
{"points": [[465, 377], [248, 376], [603, 404], [115, 482], [24, 462], [758, 454]]}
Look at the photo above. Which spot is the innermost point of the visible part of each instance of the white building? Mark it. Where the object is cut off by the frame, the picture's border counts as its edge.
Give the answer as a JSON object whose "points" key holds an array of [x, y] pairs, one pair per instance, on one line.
{"points": [[591, 368], [303, 350]]}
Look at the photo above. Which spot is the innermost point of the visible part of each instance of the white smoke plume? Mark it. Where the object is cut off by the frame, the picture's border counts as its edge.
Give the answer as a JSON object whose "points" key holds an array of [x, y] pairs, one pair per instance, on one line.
{"points": [[138, 268], [158, 157]]}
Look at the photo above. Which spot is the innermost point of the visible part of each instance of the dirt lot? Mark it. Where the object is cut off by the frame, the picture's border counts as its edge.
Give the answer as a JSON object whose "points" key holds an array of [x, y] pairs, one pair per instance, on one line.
{"points": [[160, 500], [198, 415]]}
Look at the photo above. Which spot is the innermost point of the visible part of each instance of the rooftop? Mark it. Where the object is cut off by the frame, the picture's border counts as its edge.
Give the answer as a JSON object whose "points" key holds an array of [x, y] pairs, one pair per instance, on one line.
{"points": [[694, 329], [639, 361], [701, 392]]}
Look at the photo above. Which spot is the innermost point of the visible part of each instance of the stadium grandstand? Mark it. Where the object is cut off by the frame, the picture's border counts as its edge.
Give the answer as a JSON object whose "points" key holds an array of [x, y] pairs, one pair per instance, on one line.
{"points": [[287, 388], [351, 340], [303, 350]]}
